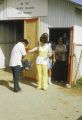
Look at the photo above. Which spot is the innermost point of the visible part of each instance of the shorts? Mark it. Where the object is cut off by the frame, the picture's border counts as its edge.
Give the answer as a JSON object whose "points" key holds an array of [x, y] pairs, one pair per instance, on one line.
{"points": [[49, 63]]}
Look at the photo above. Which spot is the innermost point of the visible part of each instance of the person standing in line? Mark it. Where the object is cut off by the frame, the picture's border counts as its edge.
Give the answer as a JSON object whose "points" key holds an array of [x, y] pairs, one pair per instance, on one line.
{"points": [[42, 62], [50, 66], [17, 54], [60, 52], [49, 61], [67, 43]]}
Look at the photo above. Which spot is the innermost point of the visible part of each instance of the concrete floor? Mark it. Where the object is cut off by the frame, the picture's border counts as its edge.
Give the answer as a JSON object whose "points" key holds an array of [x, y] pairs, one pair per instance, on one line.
{"points": [[57, 103]]}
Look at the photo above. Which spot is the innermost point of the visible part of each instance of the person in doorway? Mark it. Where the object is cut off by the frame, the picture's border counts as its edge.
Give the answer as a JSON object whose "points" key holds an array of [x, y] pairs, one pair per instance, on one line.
{"points": [[49, 61], [53, 60], [50, 65], [42, 62], [67, 43], [60, 52], [17, 54]]}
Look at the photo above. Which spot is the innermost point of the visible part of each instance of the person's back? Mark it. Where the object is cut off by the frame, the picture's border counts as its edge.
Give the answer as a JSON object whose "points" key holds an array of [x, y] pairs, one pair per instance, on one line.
{"points": [[16, 55]]}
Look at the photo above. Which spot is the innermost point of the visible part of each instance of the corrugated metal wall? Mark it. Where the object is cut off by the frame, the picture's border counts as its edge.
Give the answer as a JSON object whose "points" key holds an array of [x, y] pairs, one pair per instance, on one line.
{"points": [[77, 67], [61, 13], [7, 39], [3, 9]]}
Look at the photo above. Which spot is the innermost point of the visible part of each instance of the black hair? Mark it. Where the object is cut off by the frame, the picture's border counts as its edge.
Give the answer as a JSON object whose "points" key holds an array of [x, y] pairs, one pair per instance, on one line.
{"points": [[46, 34], [43, 38], [25, 41]]}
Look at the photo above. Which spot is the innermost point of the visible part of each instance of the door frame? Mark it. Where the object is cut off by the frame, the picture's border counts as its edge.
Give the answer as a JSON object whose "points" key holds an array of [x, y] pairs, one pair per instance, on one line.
{"points": [[71, 53], [71, 57]]}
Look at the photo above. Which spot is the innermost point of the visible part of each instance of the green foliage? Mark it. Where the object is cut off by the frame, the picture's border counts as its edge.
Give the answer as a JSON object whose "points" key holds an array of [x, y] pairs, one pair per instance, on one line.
{"points": [[78, 84]]}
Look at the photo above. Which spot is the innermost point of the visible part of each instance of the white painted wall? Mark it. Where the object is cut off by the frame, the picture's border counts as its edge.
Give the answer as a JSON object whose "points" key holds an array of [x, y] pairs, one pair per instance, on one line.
{"points": [[77, 62]]}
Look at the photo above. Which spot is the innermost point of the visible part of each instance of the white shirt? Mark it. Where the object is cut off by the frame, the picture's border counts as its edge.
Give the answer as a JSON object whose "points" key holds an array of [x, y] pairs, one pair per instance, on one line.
{"points": [[16, 55]]}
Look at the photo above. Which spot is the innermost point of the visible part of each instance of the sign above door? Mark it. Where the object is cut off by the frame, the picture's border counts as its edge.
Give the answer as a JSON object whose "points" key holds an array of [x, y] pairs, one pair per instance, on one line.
{"points": [[27, 8]]}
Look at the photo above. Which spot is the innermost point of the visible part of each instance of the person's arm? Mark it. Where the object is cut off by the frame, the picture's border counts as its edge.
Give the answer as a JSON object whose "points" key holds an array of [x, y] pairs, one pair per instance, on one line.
{"points": [[50, 51], [64, 49], [56, 52], [53, 56], [33, 50]]}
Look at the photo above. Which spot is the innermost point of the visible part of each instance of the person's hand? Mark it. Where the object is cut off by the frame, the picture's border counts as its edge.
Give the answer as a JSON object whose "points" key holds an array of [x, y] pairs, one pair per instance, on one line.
{"points": [[29, 51]]}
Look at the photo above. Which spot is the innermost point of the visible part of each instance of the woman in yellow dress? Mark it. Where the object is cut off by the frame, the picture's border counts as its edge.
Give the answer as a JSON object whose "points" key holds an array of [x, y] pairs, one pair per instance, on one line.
{"points": [[42, 62]]}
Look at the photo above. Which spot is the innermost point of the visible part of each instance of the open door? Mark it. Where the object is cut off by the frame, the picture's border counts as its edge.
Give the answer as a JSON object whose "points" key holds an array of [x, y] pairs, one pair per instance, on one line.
{"points": [[77, 62], [54, 34], [31, 32], [75, 56]]}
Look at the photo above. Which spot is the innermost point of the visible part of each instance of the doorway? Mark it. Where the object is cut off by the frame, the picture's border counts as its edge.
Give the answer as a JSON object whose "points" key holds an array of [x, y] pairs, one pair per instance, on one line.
{"points": [[13, 30], [10, 32], [57, 70]]}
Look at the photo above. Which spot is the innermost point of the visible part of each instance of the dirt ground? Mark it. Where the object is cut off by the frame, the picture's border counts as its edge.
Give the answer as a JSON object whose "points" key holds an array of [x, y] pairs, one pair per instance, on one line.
{"points": [[57, 103]]}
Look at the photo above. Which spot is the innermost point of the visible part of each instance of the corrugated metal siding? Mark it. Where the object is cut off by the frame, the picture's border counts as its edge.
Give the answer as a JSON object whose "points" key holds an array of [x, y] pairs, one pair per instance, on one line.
{"points": [[77, 63], [6, 48], [7, 40], [3, 9], [61, 14]]}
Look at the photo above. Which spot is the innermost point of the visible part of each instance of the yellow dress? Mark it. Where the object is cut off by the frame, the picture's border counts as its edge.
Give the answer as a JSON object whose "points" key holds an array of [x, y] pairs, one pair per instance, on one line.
{"points": [[42, 67]]}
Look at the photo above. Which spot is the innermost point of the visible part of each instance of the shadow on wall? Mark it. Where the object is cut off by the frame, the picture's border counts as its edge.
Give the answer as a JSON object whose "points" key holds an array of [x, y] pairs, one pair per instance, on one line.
{"points": [[80, 118]]}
